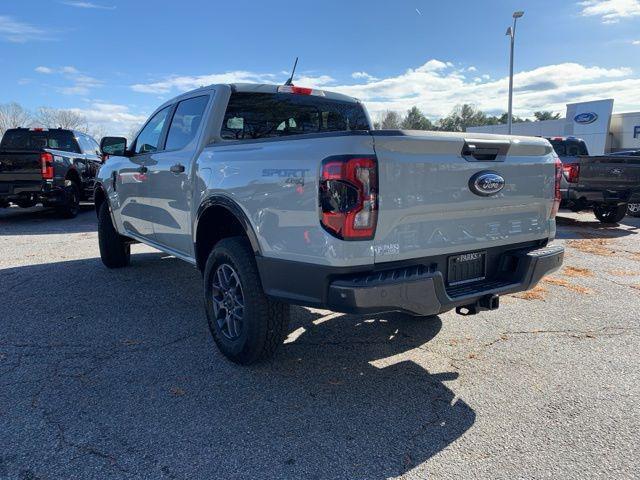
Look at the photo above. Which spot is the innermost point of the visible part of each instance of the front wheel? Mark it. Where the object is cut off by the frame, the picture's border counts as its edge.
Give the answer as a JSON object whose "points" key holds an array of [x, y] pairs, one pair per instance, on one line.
{"points": [[610, 213], [633, 209], [247, 326], [115, 251]]}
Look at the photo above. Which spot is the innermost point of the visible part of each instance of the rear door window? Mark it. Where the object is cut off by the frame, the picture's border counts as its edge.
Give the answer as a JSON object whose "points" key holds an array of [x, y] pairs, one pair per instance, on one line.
{"points": [[267, 115], [185, 123]]}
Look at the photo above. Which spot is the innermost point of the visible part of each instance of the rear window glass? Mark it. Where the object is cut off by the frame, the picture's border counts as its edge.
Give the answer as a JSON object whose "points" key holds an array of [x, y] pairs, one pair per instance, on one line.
{"points": [[268, 115], [569, 149], [31, 140]]}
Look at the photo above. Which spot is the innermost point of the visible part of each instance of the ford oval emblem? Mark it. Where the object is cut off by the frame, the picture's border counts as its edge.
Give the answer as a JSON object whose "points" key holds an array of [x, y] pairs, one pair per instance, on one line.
{"points": [[585, 118], [486, 183]]}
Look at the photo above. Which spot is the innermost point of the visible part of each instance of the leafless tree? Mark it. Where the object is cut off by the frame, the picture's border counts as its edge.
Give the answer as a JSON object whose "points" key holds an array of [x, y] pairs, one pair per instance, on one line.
{"points": [[60, 118], [13, 115]]}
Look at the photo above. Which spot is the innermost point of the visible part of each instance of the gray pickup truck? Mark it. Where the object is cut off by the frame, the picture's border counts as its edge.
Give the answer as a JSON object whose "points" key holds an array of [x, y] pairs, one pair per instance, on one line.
{"points": [[285, 195]]}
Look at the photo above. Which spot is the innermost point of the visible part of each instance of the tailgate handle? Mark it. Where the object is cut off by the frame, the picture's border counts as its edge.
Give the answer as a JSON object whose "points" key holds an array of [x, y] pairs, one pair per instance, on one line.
{"points": [[485, 150]]}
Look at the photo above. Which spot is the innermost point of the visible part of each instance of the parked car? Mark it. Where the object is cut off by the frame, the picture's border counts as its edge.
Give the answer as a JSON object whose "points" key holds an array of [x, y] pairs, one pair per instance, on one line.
{"points": [[286, 195], [55, 167], [604, 183]]}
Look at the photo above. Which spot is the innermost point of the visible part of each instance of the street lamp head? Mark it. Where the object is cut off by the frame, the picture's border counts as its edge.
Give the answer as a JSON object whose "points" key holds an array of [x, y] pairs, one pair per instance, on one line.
{"points": [[518, 14]]}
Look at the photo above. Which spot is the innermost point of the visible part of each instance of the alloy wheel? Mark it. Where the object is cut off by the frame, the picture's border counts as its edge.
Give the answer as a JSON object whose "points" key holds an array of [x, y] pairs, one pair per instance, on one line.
{"points": [[228, 301]]}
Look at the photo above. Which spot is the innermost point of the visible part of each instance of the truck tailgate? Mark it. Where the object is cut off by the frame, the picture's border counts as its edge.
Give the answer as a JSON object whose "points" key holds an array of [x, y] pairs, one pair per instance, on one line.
{"points": [[612, 173], [427, 206], [19, 170]]}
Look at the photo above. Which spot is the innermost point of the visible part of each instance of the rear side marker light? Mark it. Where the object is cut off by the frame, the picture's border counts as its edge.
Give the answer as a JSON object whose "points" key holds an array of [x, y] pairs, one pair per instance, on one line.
{"points": [[46, 166], [349, 197]]}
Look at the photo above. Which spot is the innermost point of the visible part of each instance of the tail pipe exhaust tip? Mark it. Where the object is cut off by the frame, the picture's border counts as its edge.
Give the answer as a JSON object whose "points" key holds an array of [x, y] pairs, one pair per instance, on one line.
{"points": [[488, 302]]}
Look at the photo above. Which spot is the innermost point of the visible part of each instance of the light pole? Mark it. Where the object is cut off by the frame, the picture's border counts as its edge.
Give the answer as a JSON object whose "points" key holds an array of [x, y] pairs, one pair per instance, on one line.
{"points": [[511, 32]]}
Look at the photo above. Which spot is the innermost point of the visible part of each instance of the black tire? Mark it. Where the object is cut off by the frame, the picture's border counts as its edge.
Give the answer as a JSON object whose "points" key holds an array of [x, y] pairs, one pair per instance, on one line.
{"points": [[633, 209], [71, 206], [610, 213], [260, 324], [115, 251]]}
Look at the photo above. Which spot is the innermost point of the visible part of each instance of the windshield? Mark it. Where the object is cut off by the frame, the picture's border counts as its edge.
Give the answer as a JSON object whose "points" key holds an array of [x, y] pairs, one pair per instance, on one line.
{"points": [[29, 140], [267, 115]]}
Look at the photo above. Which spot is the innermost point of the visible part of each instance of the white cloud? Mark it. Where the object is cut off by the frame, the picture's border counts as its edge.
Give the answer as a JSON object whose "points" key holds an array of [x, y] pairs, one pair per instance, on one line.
{"points": [[635, 42], [610, 11], [363, 75], [81, 84], [472, 69], [20, 32], [436, 88], [89, 5], [550, 87], [110, 118], [185, 82]]}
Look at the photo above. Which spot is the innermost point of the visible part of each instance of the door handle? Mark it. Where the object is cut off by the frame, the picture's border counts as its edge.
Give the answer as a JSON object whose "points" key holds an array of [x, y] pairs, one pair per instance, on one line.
{"points": [[143, 169], [177, 168]]}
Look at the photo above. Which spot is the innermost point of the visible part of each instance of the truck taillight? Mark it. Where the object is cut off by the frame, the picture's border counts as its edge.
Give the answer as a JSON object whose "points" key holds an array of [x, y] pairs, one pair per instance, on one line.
{"points": [[349, 197], [557, 196], [571, 172], [46, 166]]}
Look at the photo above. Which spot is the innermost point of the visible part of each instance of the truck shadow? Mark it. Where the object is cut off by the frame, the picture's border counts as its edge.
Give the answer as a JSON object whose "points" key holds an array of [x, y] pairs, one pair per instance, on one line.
{"points": [[43, 221], [570, 228], [123, 364]]}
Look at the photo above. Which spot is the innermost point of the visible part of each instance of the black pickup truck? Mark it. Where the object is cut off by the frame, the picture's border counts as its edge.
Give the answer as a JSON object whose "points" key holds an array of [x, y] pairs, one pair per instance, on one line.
{"points": [[55, 167], [604, 183]]}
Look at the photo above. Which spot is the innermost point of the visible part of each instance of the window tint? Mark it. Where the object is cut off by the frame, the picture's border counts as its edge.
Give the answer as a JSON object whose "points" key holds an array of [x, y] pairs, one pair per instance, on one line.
{"points": [[24, 139], [149, 137], [267, 115], [186, 122]]}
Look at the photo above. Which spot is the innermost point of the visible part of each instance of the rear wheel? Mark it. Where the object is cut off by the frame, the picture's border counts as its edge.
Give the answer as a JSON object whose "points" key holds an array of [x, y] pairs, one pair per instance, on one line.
{"points": [[247, 326], [610, 213], [633, 209], [115, 251], [71, 205]]}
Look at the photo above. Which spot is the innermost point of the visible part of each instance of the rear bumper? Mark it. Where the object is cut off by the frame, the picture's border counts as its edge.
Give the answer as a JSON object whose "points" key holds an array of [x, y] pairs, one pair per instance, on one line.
{"points": [[420, 288], [595, 195], [40, 190]]}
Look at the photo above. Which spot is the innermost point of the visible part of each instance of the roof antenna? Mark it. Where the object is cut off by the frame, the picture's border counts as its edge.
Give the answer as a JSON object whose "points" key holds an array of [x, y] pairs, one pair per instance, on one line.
{"points": [[290, 81]]}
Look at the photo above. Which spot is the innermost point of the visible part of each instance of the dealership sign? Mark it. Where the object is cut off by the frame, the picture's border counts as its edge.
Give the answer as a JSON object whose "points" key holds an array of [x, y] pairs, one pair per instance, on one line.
{"points": [[585, 118]]}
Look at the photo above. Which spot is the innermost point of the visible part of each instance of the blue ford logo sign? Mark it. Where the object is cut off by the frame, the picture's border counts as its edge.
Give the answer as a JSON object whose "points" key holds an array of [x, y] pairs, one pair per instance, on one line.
{"points": [[486, 183], [585, 118]]}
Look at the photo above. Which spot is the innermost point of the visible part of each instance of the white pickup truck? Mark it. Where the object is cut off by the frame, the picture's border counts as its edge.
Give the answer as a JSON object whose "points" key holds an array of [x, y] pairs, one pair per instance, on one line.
{"points": [[283, 194]]}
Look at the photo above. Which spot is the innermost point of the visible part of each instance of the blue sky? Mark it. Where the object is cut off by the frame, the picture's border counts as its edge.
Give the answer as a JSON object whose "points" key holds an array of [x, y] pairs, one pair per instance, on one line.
{"points": [[114, 61]]}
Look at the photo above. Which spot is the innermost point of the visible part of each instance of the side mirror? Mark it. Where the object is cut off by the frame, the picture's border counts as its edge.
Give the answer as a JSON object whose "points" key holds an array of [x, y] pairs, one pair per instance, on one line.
{"points": [[116, 146]]}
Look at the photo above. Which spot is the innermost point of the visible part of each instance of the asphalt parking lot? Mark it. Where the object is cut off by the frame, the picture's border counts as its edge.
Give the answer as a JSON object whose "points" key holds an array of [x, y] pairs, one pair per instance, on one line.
{"points": [[113, 374]]}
